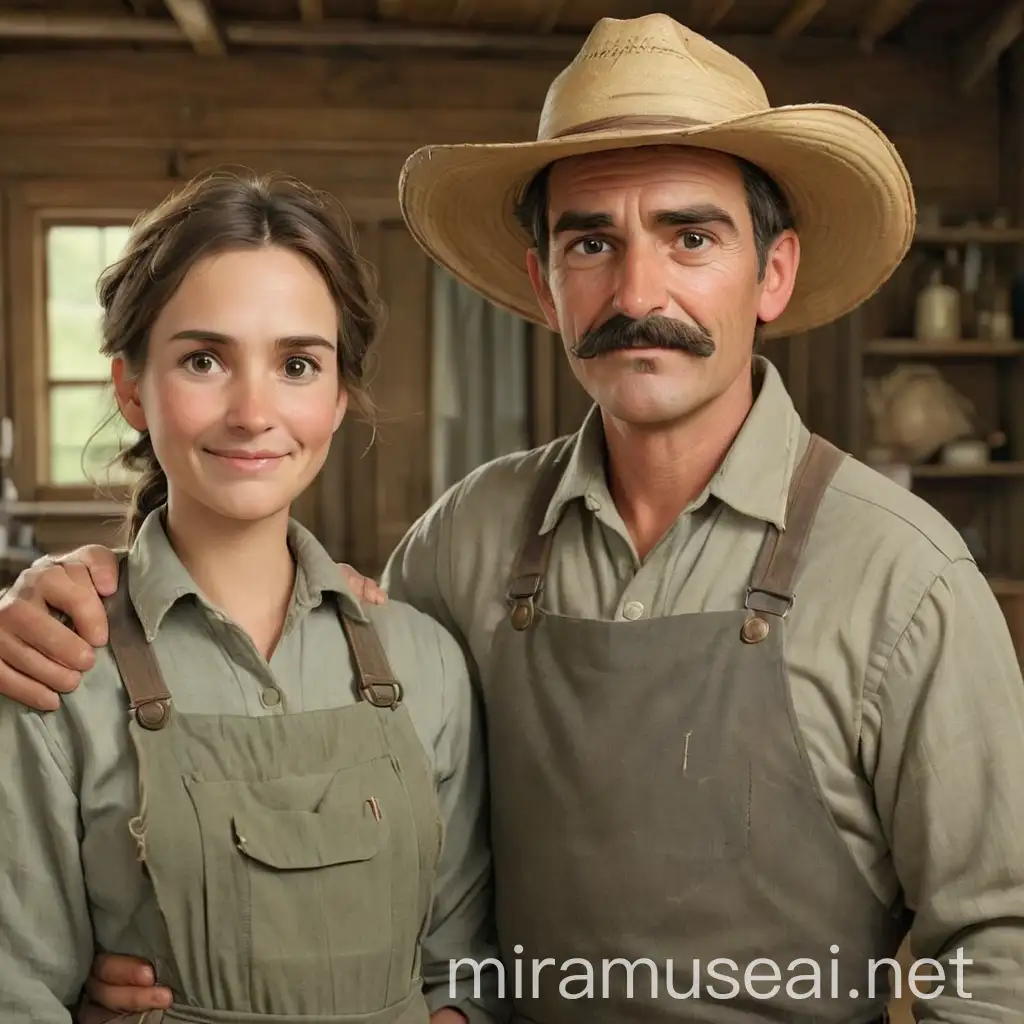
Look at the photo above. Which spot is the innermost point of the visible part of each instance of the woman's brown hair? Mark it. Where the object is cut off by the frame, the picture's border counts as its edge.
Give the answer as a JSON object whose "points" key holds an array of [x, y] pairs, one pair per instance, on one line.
{"points": [[216, 213]]}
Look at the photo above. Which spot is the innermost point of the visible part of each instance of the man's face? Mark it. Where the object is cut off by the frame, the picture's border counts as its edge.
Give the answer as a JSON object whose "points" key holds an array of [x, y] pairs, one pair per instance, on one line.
{"points": [[652, 278]]}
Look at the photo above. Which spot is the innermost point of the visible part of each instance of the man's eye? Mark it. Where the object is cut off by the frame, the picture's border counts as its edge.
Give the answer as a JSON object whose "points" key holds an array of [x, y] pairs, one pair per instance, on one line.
{"points": [[693, 239]]}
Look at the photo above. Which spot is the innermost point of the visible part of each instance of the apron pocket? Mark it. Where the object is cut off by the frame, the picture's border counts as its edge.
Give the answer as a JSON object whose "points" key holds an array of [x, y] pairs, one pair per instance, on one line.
{"points": [[298, 898], [303, 840]]}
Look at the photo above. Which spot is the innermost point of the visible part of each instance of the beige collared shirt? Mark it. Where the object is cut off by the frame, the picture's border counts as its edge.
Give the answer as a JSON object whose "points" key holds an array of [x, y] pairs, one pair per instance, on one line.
{"points": [[69, 781], [901, 667]]}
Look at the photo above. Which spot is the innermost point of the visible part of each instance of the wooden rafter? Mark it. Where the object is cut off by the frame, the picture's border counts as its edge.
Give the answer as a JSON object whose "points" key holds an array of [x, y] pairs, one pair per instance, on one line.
{"points": [[719, 9], [882, 18], [704, 15], [981, 51], [800, 14], [463, 11], [549, 19], [198, 25], [311, 10]]}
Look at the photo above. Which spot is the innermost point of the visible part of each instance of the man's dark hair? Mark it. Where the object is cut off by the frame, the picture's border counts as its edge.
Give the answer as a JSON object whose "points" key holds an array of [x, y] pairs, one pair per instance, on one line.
{"points": [[769, 210]]}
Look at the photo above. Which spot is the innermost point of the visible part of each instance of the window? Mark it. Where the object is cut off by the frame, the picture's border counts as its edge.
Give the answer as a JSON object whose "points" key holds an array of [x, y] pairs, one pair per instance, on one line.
{"points": [[85, 431], [60, 236], [481, 384]]}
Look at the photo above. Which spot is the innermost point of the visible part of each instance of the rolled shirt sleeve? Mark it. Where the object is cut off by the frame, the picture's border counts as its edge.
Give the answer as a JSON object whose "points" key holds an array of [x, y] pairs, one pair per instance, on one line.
{"points": [[462, 922], [949, 784], [46, 941]]}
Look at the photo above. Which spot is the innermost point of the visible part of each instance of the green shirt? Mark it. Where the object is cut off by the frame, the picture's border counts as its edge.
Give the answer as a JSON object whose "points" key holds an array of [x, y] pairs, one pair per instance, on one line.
{"points": [[900, 663], [69, 780]]}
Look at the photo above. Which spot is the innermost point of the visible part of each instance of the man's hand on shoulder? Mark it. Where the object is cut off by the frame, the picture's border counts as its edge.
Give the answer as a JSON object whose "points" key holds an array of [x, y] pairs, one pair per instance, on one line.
{"points": [[364, 588], [40, 657]]}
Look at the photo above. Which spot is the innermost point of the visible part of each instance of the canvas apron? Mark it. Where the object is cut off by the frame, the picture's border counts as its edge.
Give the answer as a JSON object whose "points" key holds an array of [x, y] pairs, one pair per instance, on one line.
{"points": [[653, 801], [292, 856]]}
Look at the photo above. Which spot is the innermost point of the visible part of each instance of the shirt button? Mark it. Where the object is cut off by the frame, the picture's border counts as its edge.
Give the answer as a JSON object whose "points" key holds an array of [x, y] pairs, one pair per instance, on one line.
{"points": [[270, 697], [632, 610], [592, 503]]}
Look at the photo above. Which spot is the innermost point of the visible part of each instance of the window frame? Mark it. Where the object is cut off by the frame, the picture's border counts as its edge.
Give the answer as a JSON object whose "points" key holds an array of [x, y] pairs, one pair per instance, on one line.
{"points": [[33, 207]]}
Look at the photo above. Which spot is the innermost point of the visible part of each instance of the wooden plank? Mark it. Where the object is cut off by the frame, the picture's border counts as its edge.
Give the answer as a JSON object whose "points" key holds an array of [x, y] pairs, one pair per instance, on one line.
{"points": [[198, 26], [800, 14], [938, 471], [136, 125], [980, 53], [401, 389], [26, 339], [6, 348], [966, 349], [544, 349], [882, 18]]}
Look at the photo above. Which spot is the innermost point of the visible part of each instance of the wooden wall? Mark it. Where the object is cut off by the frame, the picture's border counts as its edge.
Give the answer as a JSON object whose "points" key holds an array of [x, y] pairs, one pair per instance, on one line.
{"points": [[346, 125]]}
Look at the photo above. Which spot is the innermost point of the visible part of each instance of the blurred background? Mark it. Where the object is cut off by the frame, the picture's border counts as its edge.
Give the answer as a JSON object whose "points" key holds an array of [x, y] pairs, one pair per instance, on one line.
{"points": [[106, 104]]}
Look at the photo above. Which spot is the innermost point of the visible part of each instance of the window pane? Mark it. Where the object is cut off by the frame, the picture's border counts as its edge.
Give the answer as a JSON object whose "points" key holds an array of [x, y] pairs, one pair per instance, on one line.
{"points": [[76, 255], [76, 411]]}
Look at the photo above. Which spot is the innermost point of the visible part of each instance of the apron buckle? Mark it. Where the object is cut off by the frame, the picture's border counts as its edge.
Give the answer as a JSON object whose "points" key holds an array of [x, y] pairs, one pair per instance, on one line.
{"points": [[370, 688], [523, 593], [153, 714], [760, 600]]}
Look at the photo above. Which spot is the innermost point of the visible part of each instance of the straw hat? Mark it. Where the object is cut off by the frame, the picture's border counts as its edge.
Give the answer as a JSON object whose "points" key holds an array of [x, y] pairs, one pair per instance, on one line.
{"points": [[652, 81]]}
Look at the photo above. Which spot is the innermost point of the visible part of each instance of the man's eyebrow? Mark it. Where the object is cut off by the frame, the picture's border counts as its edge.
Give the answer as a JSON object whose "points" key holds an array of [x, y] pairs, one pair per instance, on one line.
{"points": [[577, 220], [693, 216], [687, 216]]}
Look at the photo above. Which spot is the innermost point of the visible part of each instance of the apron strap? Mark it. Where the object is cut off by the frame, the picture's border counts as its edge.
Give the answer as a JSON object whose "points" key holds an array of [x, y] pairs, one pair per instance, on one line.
{"points": [[374, 677], [771, 587], [527, 580], [136, 663]]}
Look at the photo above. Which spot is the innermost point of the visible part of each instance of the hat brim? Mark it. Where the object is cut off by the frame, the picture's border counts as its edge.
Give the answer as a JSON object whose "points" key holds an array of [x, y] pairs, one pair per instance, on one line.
{"points": [[848, 188]]}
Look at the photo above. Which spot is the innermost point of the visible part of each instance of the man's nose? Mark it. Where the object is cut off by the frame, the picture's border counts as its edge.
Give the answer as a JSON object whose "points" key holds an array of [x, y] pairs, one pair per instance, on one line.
{"points": [[641, 289]]}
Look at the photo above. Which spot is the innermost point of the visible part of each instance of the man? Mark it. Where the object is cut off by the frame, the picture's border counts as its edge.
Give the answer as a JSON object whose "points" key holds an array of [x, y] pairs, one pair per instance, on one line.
{"points": [[752, 709]]}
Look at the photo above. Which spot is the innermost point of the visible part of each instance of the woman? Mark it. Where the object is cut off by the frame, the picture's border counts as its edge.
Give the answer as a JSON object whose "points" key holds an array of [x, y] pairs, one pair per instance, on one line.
{"points": [[230, 796]]}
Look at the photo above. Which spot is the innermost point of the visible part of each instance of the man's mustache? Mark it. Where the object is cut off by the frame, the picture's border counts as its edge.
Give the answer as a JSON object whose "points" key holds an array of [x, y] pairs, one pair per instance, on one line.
{"points": [[621, 333]]}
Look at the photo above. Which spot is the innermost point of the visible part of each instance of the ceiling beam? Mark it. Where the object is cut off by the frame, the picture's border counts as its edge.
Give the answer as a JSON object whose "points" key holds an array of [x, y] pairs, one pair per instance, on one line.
{"points": [[797, 18], [704, 15], [463, 12], [311, 10], [198, 25], [336, 33], [718, 11], [549, 19], [883, 17], [981, 52]]}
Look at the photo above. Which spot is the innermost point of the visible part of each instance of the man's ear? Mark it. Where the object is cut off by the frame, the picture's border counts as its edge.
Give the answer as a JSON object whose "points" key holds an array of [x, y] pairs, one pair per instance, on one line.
{"points": [[539, 280]]}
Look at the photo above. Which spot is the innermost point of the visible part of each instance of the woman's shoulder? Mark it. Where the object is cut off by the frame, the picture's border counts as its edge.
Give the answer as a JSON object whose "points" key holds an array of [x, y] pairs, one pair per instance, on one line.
{"points": [[413, 638]]}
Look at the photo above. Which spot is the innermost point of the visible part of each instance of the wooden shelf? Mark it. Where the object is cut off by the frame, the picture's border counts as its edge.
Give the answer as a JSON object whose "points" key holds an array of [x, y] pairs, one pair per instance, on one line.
{"points": [[1003, 587], [965, 236], [988, 469], [966, 349]]}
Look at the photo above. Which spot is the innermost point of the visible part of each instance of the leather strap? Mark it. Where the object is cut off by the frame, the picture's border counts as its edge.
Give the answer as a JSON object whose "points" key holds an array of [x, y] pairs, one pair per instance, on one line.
{"points": [[374, 677], [771, 587], [150, 699], [531, 561]]}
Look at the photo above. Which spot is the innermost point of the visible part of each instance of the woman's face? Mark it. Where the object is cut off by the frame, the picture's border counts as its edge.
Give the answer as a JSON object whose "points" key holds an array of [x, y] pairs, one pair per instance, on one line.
{"points": [[241, 391]]}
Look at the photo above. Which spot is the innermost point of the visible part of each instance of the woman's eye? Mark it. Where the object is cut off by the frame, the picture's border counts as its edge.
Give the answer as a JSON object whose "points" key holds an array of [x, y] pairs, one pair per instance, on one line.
{"points": [[201, 362], [296, 366]]}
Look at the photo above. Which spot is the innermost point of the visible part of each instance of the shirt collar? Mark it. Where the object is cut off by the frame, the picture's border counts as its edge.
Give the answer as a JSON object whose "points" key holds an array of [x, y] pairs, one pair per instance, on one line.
{"points": [[753, 478], [157, 579]]}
